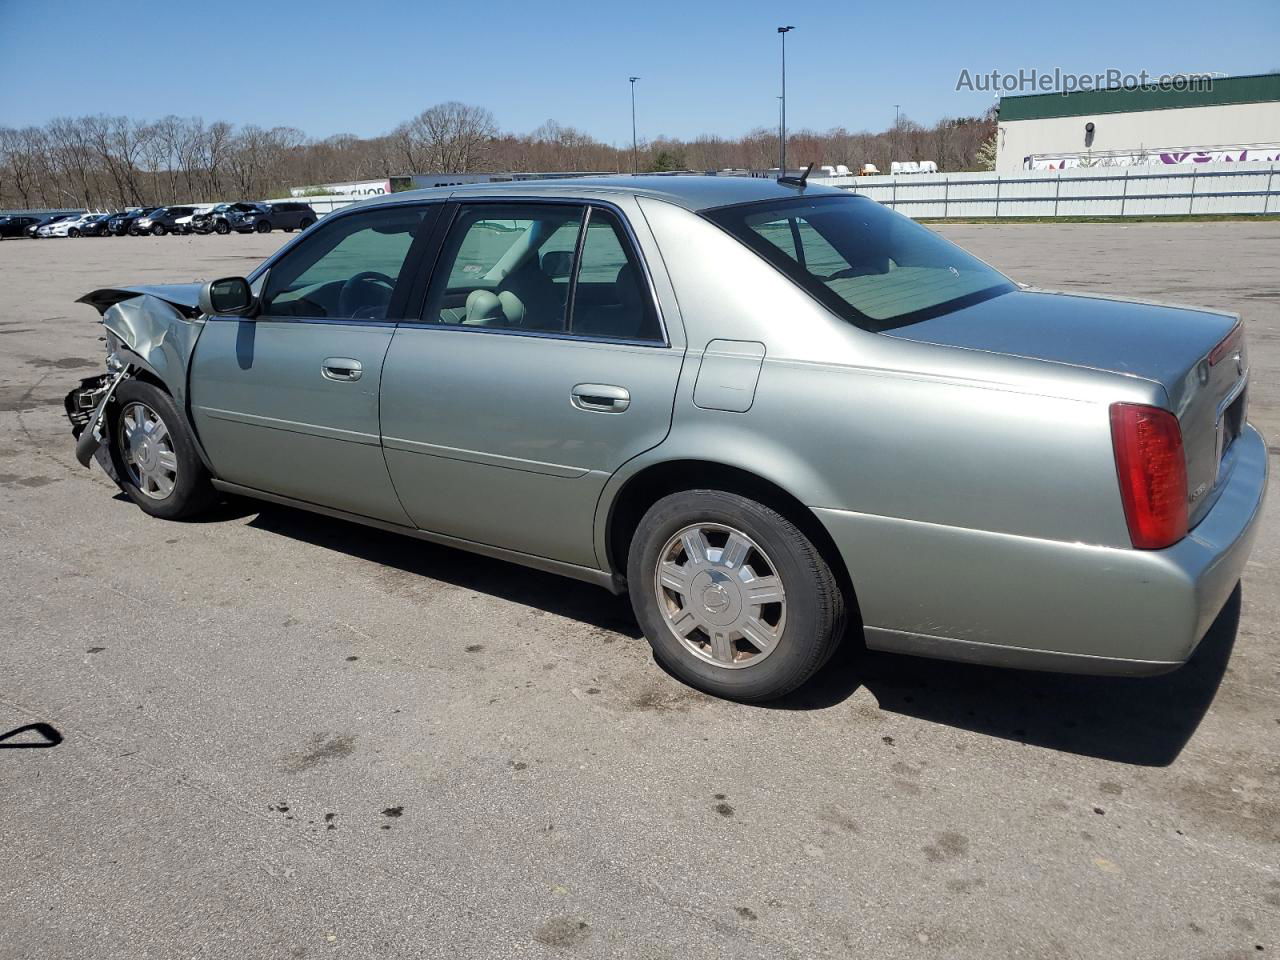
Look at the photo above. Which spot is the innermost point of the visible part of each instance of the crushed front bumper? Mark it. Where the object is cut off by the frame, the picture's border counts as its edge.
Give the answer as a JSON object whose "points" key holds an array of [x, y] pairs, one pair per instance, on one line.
{"points": [[84, 406]]}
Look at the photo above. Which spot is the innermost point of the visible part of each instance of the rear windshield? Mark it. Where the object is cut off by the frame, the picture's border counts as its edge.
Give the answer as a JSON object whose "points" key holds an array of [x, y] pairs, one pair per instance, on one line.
{"points": [[870, 265]]}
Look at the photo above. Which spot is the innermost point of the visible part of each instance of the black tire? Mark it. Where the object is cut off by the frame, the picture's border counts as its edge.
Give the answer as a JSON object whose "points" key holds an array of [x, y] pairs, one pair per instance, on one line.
{"points": [[305, 223], [262, 227], [158, 230], [192, 492], [73, 233], [222, 228], [815, 603]]}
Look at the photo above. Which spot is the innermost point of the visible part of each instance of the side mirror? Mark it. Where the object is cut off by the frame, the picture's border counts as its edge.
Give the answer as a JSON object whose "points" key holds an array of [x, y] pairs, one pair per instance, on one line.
{"points": [[557, 264], [229, 296]]}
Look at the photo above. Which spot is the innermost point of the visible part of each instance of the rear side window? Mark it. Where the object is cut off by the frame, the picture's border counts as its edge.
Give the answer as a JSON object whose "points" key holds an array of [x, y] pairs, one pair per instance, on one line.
{"points": [[547, 268], [508, 266], [868, 264], [611, 298]]}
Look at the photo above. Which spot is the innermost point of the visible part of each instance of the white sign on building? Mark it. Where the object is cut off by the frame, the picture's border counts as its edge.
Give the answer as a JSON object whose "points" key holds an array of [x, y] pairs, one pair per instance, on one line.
{"points": [[361, 188]]}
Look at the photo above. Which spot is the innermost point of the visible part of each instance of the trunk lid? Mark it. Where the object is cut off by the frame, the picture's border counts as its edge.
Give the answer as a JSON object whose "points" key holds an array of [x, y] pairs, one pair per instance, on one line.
{"points": [[1198, 356]]}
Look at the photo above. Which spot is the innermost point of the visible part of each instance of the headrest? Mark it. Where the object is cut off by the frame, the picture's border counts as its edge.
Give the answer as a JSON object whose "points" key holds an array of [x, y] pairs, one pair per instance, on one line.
{"points": [[484, 309]]}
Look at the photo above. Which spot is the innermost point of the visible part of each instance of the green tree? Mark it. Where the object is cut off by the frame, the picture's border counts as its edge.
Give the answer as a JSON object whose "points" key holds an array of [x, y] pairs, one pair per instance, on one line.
{"points": [[667, 160]]}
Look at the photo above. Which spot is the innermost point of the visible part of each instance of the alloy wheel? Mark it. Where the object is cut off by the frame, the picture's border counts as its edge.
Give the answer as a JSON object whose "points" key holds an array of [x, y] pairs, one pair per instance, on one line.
{"points": [[720, 595], [147, 450]]}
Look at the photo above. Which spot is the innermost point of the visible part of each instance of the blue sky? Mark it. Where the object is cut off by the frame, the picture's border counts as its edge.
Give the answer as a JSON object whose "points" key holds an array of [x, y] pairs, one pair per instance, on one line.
{"points": [[707, 66]]}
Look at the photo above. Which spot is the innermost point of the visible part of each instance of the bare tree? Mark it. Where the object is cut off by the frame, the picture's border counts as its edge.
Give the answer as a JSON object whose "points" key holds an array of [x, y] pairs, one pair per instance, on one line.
{"points": [[113, 161], [452, 137]]}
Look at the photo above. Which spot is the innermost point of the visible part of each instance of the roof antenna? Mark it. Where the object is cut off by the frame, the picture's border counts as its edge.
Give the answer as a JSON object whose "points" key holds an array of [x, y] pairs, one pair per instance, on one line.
{"points": [[799, 181]]}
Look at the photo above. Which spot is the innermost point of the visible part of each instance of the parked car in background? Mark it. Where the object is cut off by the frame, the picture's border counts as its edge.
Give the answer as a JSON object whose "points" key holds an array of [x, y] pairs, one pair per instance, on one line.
{"points": [[94, 226], [762, 408], [216, 220], [265, 217], [70, 227], [162, 220], [185, 225], [16, 226], [63, 227], [125, 222], [34, 229]]}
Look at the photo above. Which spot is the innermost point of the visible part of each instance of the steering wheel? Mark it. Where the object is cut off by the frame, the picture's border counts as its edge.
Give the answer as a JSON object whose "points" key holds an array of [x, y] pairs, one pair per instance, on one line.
{"points": [[354, 298]]}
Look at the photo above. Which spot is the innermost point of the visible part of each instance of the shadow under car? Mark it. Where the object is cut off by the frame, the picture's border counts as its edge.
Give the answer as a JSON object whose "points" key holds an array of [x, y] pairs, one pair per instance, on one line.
{"points": [[1137, 720]]}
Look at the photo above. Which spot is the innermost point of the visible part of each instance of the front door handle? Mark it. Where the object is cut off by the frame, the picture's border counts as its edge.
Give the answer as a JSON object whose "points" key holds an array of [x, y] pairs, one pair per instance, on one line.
{"points": [[600, 398], [343, 369]]}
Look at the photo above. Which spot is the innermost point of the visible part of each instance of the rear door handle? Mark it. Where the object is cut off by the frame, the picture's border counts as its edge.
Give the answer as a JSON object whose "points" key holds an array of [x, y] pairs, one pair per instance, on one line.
{"points": [[343, 369], [600, 398]]}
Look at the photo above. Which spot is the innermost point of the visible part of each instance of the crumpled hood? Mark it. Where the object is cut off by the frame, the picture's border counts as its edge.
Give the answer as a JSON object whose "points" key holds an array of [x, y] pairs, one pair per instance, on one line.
{"points": [[1122, 336], [185, 296]]}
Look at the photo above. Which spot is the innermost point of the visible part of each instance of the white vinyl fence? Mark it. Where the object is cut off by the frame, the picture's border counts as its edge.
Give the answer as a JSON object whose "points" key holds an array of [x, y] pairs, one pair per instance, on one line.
{"points": [[1209, 188]]}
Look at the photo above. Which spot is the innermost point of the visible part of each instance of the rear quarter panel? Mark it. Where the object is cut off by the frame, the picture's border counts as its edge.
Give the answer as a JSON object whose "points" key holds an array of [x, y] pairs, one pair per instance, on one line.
{"points": [[970, 494], [853, 420]]}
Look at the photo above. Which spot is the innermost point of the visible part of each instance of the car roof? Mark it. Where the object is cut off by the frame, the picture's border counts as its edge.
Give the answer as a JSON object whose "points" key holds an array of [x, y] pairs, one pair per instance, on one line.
{"points": [[691, 192]]}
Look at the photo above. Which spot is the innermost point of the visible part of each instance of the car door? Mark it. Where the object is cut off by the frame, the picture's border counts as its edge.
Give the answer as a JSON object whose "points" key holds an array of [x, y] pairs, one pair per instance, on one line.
{"points": [[539, 366], [287, 402]]}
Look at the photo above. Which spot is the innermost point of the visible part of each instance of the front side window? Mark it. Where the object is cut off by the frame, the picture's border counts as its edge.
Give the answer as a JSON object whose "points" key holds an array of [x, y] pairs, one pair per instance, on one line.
{"points": [[870, 265], [348, 270]]}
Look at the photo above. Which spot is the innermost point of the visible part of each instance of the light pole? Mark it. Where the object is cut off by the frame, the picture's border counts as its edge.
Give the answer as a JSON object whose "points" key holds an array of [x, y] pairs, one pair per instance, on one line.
{"points": [[635, 162], [893, 135], [782, 123], [780, 117]]}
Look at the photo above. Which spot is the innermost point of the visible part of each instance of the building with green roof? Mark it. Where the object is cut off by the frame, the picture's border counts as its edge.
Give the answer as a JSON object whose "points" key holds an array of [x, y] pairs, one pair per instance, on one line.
{"points": [[1180, 120]]}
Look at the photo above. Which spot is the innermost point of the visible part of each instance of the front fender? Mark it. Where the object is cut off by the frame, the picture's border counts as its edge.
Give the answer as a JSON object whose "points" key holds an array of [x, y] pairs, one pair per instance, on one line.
{"points": [[160, 335], [154, 329]]}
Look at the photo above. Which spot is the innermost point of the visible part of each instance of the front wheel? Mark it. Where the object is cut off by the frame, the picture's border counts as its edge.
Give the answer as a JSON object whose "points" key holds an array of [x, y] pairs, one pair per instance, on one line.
{"points": [[263, 227], [222, 228], [155, 456], [305, 223], [733, 597], [158, 230]]}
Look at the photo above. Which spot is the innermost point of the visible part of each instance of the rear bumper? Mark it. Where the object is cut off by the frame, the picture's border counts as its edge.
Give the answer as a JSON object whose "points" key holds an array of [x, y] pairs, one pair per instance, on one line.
{"points": [[958, 594]]}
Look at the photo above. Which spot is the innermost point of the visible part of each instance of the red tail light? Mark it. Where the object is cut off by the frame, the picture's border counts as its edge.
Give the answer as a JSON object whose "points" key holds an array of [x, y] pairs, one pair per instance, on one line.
{"points": [[1152, 472]]}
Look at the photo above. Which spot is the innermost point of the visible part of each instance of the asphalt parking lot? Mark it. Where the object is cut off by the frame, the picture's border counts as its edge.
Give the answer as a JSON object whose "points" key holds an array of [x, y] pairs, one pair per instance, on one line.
{"points": [[285, 736]]}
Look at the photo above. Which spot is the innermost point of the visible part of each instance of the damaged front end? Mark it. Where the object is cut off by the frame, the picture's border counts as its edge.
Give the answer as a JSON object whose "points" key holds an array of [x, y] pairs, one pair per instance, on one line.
{"points": [[86, 408], [151, 331]]}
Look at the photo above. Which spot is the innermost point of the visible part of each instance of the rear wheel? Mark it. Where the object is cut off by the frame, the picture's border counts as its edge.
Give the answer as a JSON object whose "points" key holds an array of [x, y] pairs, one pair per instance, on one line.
{"points": [[733, 597], [305, 223], [155, 456], [73, 232]]}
